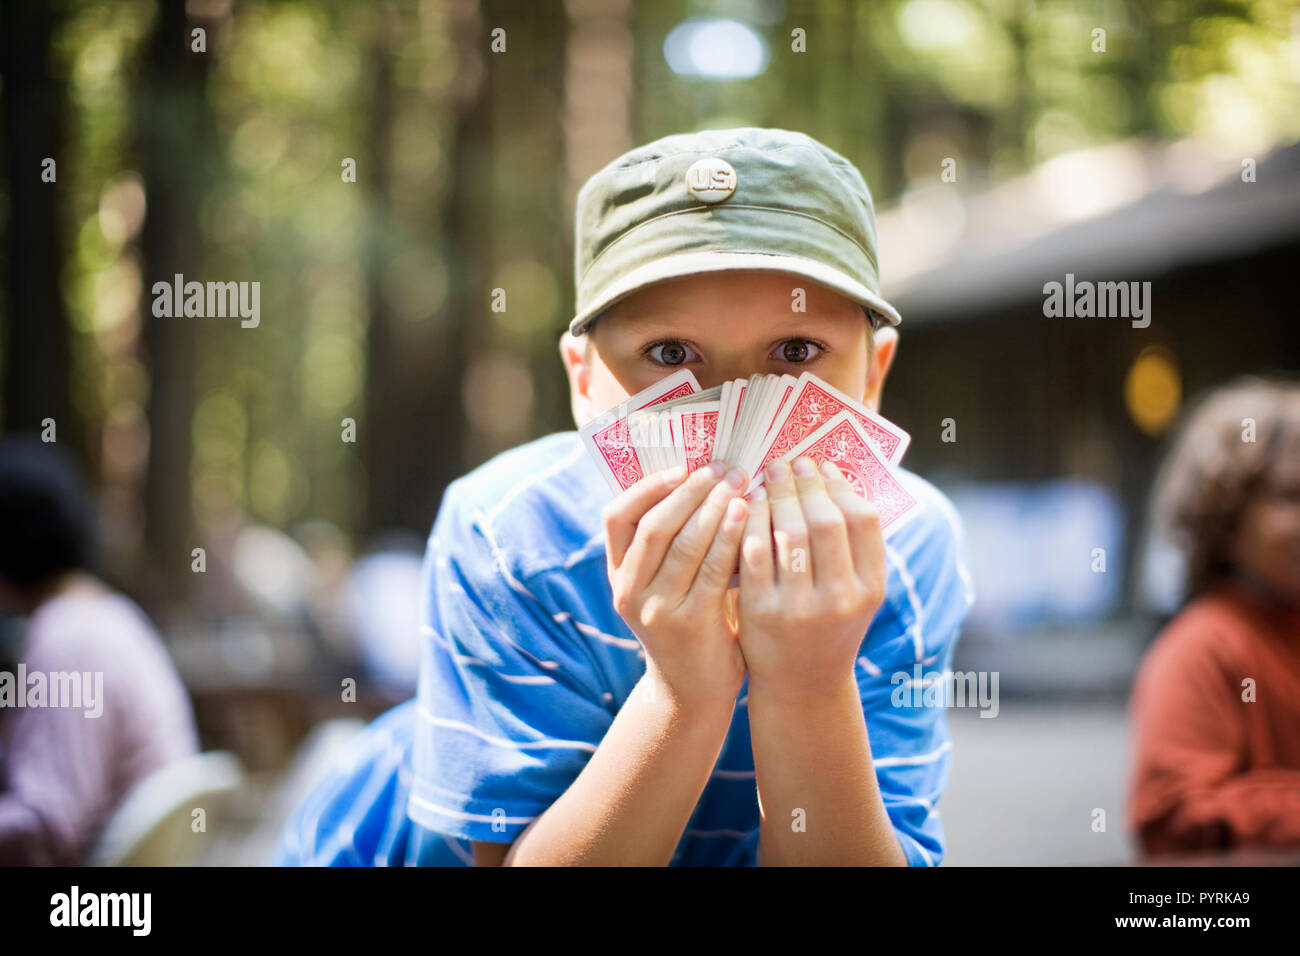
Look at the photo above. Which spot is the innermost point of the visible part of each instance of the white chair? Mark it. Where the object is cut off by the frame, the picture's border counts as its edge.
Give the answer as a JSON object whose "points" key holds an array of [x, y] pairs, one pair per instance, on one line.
{"points": [[153, 825], [327, 745]]}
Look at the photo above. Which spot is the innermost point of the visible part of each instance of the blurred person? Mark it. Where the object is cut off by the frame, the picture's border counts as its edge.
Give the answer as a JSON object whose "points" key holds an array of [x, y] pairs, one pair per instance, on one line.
{"points": [[330, 615], [1216, 701], [383, 601], [94, 704]]}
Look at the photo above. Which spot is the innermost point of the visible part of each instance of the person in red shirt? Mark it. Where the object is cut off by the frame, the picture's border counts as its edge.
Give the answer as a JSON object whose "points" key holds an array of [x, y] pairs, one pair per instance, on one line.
{"points": [[1216, 701]]}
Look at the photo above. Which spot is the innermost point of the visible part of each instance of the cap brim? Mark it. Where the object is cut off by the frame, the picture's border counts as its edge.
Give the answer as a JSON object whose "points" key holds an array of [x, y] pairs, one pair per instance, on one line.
{"points": [[694, 263]]}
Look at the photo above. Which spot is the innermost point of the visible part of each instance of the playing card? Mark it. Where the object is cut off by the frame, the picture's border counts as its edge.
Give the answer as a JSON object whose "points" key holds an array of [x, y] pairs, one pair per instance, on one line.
{"points": [[676, 445], [648, 434], [724, 401], [842, 440], [707, 395], [744, 410], [727, 423], [756, 391], [724, 445], [785, 387], [775, 390], [695, 426], [744, 422], [606, 437], [816, 402], [653, 431]]}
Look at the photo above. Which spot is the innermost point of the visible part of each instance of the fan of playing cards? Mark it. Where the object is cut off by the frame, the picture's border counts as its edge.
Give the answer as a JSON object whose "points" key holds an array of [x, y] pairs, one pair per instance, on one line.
{"points": [[748, 423]]}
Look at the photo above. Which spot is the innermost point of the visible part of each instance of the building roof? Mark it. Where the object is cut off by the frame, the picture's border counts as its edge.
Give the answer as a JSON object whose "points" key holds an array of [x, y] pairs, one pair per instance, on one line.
{"points": [[1127, 211]]}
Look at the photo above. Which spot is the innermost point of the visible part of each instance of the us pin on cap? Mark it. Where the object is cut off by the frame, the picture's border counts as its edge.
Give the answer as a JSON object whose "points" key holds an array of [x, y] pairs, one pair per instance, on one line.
{"points": [[725, 200]]}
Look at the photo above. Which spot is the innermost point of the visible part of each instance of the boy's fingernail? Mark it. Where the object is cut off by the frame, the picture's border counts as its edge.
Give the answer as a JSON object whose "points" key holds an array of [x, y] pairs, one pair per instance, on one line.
{"points": [[778, 470], [717, 469], [758, 494], [736, 478], [804, 467], [675, 474], [829, 469]]}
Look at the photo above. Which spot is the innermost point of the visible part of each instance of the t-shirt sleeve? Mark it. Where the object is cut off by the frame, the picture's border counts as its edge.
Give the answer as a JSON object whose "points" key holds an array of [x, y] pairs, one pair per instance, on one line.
{"points": [[509, 710], [902, 679]]}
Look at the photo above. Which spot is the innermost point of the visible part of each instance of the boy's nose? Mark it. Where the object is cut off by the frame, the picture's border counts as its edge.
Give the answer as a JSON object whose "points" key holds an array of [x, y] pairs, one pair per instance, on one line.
{"points": [[726, 371]]}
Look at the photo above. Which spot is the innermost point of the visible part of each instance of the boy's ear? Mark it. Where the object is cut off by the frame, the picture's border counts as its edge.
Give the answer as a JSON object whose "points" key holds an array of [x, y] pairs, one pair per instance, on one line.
{"points": [[574, 354], [884, 348]]}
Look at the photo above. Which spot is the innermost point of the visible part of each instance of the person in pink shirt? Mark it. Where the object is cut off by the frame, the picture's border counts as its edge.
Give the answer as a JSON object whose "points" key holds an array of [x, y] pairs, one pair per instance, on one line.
{"points": [[93, 704]]}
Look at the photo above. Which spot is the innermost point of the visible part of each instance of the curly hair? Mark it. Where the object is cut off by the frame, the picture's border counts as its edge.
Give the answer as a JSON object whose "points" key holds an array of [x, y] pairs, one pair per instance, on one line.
{"points": [[1225, 453]]}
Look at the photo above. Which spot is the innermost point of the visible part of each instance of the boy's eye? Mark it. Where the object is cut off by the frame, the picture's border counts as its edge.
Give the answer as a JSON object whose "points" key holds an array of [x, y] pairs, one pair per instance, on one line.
{"points": [[670, 353], [796, 350]]}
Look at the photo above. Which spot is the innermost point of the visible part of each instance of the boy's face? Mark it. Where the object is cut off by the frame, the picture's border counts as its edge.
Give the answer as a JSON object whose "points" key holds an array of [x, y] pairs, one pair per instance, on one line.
{"points": [[726, 325]]}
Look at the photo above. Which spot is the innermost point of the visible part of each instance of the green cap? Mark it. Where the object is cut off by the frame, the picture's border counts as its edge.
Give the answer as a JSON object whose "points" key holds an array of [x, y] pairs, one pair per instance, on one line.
{"points": [[729, 199]]}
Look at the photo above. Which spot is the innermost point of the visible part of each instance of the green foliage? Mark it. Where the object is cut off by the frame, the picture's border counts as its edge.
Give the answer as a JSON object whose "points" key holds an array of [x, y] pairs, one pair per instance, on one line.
{"points": [[463, 186]]}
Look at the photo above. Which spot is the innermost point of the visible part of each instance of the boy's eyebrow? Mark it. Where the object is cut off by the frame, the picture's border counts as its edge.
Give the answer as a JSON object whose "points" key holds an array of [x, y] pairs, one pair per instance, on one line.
{"points": [[642, 327]]}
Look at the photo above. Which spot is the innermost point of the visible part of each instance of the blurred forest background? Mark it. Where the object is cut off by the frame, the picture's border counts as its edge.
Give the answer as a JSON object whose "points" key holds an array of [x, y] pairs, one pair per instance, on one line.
{"points": [[223, 156]]}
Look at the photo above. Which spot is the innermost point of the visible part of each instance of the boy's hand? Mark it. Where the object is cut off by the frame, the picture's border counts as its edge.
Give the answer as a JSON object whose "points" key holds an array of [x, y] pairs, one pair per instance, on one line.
{"points": [[671, 545], [804, 611]]}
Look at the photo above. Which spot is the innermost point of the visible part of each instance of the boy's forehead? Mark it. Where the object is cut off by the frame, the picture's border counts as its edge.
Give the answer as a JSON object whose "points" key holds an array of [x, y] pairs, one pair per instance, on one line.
{"points": [[774, 295]]}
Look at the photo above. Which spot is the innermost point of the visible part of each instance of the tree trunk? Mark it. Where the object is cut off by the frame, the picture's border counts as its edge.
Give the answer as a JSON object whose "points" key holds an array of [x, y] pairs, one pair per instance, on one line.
{"points": [[177, 137], [36, 360]]}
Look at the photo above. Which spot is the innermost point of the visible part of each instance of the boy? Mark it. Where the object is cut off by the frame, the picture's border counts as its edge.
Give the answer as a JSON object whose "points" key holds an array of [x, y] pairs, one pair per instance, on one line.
{"points": [[592, 691]]}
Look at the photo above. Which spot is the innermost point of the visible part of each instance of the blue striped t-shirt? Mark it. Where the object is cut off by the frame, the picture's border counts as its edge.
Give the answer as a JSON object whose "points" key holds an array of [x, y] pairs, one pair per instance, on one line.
{"points": [[526, 663]]}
